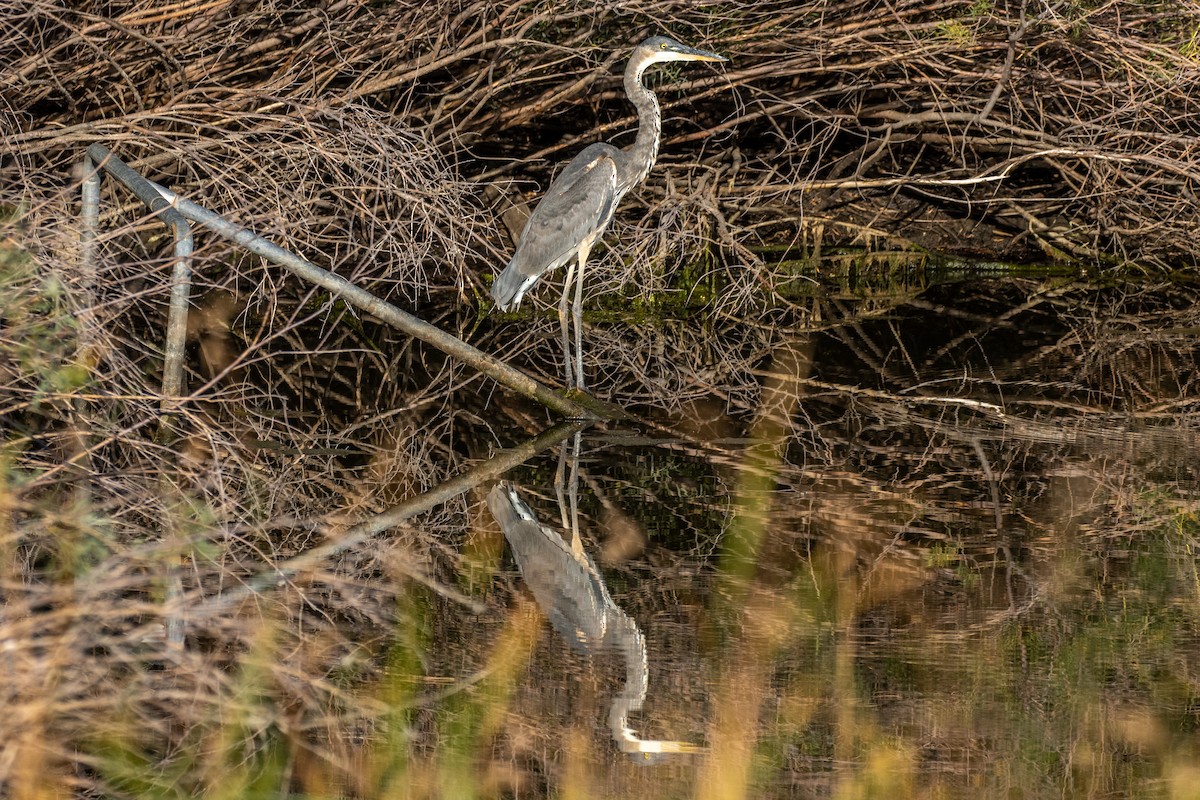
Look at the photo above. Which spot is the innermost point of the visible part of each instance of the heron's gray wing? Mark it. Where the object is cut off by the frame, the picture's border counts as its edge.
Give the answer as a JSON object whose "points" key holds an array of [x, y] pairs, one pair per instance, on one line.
{"points": [[579, 166], [578, 205], [518, 522]]}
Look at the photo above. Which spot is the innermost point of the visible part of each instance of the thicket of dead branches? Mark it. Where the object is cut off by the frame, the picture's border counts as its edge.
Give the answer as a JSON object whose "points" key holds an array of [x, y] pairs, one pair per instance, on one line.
{"points": [[395, 145], [1004, 128], [385, 142]]}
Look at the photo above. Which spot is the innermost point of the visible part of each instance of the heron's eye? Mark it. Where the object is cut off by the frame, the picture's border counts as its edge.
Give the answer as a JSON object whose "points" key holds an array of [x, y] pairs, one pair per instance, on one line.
{"points": [[662, 46]]}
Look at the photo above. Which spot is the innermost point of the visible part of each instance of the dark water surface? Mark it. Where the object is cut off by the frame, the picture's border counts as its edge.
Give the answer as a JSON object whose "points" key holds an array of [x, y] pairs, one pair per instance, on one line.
{"points": [[948, 550]]}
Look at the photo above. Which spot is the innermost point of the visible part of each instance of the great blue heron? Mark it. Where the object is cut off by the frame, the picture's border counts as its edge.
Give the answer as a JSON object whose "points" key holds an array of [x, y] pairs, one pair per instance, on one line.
{"points": [[569, 590], [580, 202]]}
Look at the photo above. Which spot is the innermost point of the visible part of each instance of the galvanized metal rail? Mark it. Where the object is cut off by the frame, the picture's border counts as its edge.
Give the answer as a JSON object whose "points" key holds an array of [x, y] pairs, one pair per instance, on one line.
{"points": [[175, 211]]}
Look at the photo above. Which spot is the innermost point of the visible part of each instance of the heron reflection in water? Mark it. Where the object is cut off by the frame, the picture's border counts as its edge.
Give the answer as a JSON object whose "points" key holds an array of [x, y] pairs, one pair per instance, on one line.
{"points": [[568, 588], [580, 202]]}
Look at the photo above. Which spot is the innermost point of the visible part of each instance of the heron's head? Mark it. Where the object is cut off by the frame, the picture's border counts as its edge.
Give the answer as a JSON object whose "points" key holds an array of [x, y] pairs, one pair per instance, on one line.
{"points": [[658, 49]]}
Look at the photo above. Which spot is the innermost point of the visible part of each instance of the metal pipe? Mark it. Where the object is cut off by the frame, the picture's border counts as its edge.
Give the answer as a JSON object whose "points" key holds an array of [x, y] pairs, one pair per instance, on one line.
{"points": [[413, 326], [181, 281], [181, 275], [89, 218]]}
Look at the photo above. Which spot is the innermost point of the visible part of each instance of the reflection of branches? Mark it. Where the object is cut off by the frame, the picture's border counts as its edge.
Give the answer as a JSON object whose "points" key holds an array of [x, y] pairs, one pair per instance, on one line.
{"points": [[1007, 397]]}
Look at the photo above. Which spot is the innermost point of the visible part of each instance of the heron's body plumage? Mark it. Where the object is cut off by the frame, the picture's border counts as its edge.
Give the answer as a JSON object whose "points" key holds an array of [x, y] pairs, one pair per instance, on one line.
{"points": [[566, 584], [578, 205]]}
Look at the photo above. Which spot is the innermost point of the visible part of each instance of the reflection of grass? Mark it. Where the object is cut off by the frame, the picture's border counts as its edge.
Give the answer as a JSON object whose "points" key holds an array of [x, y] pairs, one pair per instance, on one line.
{"points": [[475, 719], [1090, 692], [239, 752]]}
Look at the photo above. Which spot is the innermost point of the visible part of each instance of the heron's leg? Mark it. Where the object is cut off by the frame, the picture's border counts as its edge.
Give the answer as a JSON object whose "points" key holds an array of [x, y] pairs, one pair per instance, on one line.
{"points": [[562, 321], [584, 249], [573, 495], [560, 485]]}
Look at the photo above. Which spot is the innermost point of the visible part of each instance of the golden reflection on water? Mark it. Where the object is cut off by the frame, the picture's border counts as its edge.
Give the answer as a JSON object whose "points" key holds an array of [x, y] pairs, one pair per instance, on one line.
{"points": [[985, 607], [953, 572]]}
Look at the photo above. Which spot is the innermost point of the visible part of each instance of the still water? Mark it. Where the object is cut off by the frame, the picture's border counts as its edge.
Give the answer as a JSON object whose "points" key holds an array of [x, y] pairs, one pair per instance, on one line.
{"points": [[944, 550]]}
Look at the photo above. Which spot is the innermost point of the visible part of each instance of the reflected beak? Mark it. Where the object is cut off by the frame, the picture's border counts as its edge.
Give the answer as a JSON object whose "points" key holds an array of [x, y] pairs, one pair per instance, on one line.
{"points": [[652, 747]]}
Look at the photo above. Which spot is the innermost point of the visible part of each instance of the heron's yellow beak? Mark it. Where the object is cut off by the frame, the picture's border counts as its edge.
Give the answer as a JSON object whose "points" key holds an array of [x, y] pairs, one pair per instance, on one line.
{"points": [[692, 54]]}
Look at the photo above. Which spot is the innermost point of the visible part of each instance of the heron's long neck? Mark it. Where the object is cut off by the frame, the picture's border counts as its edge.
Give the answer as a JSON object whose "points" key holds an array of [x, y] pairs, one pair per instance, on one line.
{"points": [[629, 640], [645, 147]]}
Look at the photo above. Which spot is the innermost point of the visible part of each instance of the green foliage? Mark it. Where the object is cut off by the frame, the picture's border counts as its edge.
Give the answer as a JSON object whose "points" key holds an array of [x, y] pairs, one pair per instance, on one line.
{"points": [[981, 8], [955, 32], [40, 332], [1189, 42]]}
